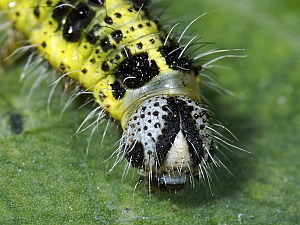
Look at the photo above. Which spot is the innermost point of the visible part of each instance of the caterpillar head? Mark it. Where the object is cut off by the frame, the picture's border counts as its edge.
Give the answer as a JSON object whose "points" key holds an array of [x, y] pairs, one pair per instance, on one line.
{"points": [[168, 139]]}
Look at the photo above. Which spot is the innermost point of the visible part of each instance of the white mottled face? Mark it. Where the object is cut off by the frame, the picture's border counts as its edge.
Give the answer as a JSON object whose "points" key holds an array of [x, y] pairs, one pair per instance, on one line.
{"points": [[168, 140]]}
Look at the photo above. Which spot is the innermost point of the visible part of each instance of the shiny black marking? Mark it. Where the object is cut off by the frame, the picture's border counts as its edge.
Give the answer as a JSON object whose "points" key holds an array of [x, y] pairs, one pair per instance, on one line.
{"points": [[190, 131], [152, 41], [135, 154], [139, 45], [16, 122], [171, 53], [36, 12], [106, 45], [96, 3], [118, 15], [59, 13], [136, 70], [105, 66], [170, 129], [117, 91], [91, 37], [117, 35], [77, 21], [179, 118], [108, 20]]}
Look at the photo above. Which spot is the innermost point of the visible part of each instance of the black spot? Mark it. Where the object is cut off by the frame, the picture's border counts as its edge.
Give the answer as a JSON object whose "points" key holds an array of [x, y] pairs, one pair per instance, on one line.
{"points": [[77, 21], [62, 67], [152, 41], [90, 36], [173, 59], [105, 44], [105, 66], [135, 154], [202, 126], [16, 123], [92, 60], [118, 15], [36, 12], [18, 14], [140, 25], [108, 20], [155, 113], [117, 57], [156, 125], [117, 91], [203, 113], [84, 71], [44, 44], [117, 35], [96, 3], [136, 70], [139, 45]]}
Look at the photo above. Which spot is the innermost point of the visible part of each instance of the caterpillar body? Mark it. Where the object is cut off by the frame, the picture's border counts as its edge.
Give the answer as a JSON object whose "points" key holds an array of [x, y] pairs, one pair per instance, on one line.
{"points": [[136, 72]]}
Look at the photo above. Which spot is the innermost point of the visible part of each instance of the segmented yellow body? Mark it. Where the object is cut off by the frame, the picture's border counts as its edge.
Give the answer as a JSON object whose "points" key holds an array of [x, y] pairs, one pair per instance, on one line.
{"points": [[117, 31]]}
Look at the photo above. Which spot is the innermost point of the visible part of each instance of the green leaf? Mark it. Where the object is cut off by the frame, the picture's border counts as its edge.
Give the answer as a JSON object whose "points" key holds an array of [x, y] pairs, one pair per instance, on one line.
{"points": [[46, 177]]}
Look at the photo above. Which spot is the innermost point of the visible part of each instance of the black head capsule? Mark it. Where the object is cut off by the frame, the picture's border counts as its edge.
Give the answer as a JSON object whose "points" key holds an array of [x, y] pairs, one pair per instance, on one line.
{"points": [[168, 140]]}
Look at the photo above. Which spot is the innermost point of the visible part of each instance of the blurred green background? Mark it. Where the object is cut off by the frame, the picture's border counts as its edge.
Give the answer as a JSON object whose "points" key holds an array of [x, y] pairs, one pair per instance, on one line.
{"points": [[47, 178]]}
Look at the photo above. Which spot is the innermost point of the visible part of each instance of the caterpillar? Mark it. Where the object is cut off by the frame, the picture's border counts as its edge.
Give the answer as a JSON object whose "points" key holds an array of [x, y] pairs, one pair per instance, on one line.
{"points": [[137, 73]]}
